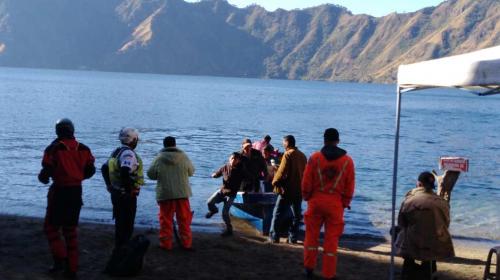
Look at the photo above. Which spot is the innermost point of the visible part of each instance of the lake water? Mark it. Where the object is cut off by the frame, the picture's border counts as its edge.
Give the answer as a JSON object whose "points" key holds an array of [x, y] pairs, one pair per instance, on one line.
{"points": [[210, 116]]}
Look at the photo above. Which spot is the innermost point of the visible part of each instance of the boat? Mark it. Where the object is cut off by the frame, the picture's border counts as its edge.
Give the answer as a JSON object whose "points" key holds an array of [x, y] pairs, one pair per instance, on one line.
{"points": [[256, 208]]}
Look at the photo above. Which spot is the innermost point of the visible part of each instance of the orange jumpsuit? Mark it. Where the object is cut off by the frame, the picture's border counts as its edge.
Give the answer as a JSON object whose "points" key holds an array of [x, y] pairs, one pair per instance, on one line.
{"points": [[184, 216], [328, 187]]}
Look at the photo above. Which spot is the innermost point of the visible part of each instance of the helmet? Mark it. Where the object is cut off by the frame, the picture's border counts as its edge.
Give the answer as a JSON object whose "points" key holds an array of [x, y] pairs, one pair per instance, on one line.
{"points": [[128, 135], [64, 128]]}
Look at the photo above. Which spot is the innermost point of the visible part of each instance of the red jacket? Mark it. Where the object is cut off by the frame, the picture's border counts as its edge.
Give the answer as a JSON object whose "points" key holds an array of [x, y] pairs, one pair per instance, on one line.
{"points": [[67, 162], [329, 172]]}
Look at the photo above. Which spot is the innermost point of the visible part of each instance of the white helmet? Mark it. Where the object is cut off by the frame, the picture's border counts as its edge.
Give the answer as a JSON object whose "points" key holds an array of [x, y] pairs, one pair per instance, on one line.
{"points": [[128, 135]]}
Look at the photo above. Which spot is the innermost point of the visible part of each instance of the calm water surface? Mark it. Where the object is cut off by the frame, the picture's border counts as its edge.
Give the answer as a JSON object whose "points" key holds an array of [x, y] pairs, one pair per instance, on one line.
{"points": [[210, 116]]}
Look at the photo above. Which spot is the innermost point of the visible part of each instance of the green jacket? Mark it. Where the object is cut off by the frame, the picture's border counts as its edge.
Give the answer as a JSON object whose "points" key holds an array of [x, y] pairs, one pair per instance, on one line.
{"points": [[172, 168]]}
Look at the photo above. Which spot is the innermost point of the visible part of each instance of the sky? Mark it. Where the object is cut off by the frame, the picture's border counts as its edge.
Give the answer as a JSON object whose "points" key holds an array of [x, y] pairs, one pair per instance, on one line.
{"points": [[371, 7]]}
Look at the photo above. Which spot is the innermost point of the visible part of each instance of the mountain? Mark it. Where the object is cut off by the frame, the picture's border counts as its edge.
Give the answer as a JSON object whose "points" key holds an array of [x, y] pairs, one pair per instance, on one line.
{"points": [[212, 37]]}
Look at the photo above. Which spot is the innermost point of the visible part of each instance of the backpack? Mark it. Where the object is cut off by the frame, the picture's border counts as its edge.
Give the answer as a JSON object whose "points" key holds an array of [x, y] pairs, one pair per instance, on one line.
{"points": [[128, 259]]}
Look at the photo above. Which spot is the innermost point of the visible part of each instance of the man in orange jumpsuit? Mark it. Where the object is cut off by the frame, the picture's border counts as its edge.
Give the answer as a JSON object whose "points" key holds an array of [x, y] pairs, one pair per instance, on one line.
{"points": [[328, 187]]}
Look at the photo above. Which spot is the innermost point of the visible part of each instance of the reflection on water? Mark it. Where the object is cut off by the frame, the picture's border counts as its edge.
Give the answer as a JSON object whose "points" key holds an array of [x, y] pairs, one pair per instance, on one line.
{"points": [[210, 116]]}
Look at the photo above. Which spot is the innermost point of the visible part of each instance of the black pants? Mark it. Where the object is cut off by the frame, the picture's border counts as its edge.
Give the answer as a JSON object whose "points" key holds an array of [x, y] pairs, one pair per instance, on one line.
{"points": [[124, 209], [413, 271]]}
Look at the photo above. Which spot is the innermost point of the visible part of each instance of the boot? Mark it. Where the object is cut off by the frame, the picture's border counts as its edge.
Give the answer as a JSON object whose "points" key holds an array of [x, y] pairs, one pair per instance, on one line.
{"points": [[227, 232]]}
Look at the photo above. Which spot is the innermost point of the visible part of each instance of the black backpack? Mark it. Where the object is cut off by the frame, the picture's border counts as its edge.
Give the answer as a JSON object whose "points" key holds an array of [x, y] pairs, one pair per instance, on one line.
{"points": [[128, 259]]}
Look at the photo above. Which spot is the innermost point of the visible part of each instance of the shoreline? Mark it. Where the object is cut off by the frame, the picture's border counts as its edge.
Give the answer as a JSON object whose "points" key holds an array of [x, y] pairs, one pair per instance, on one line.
{"points": [[24, 254]]}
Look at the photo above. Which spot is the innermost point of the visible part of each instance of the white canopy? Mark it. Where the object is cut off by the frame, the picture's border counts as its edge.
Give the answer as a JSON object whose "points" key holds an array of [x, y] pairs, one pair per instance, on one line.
{"points": [[479, 68]]}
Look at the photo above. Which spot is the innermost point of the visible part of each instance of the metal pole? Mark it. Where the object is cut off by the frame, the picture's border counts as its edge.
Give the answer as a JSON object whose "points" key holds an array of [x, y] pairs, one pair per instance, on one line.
{"points": [[394, 181]]}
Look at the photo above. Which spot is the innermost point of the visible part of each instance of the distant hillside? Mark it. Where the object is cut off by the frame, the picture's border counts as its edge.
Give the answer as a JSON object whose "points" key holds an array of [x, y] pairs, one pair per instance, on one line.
{"points": [[213, 37]]}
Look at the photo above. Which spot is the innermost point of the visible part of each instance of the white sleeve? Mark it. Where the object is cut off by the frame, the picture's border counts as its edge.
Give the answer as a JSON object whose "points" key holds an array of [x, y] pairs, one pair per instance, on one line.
{"points": [[128, 159]]}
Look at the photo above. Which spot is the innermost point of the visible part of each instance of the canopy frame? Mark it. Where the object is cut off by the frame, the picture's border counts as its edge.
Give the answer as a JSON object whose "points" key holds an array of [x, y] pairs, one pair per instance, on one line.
{"points": [[478, 89]]}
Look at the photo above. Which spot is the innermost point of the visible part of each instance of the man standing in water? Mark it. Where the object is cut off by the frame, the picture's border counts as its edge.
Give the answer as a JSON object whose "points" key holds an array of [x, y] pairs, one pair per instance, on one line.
{"points": [[172, 169], [328, 187], [123, 175], [68, 163], [286, 183]]}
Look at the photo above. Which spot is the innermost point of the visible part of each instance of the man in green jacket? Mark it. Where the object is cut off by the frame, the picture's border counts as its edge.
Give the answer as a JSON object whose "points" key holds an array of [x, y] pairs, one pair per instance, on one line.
{"points": [[172, 169]]}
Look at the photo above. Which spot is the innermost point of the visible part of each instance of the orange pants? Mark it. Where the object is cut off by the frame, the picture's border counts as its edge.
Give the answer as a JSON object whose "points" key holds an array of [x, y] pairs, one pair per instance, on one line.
{"points": [[183, 215], [323, 209], [63, 249]]}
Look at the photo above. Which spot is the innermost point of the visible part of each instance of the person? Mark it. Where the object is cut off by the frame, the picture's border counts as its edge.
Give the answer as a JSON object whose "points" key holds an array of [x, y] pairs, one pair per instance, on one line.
{"points": [[232, 174], [123, 175], [255, 165], [423, 221], [328, 188], [260, 145], [287, 184], [172, 169], [68, 163], [272, 163]]}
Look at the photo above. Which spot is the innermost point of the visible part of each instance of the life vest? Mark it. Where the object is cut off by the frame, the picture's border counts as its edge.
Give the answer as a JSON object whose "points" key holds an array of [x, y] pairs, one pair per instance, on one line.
{"points": [[114, 169]]}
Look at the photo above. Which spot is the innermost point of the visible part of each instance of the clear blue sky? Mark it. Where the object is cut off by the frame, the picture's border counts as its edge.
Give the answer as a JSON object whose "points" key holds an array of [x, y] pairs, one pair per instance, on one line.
{"points": [[371, 7]]}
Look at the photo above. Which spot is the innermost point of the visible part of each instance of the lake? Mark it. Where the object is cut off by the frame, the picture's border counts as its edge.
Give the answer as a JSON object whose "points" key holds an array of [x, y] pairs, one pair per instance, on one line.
{"points": [[210, 116]]}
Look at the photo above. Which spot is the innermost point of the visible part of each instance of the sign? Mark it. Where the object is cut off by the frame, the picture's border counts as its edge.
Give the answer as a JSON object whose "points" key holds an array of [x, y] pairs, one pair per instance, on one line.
{"points": [[459, 164]]}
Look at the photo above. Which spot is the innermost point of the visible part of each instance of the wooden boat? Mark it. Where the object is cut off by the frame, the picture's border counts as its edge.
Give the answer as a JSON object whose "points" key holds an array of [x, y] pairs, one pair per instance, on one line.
{"points": [[255, 208]]}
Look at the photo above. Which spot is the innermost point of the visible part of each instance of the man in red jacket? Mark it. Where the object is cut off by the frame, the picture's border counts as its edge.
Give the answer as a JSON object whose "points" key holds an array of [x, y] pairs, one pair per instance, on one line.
{"points": [[328, 187], [68, 163]]}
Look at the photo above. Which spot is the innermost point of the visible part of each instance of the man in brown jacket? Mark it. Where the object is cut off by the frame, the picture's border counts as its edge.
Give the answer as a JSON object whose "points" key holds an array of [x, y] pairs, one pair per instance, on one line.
{"points": [[287, 184], [423, 219]]}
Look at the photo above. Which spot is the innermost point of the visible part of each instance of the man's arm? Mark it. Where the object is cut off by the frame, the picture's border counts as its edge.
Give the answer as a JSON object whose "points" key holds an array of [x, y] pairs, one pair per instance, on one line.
{"points": [[153, 170], [89, 170], [218, 173], [282, 171], [190, 167], [307, 179], [47, 166], [349, 184]]}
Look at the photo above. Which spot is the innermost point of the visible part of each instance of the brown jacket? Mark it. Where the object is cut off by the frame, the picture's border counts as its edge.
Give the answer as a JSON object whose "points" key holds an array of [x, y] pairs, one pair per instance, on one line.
{"points": [[424, 219], [289, 174]]}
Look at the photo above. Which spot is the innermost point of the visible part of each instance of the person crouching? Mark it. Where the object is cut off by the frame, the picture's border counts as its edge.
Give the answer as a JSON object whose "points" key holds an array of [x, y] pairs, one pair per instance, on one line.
{"points": [[232, 174], [172, 169], [424, 218]]}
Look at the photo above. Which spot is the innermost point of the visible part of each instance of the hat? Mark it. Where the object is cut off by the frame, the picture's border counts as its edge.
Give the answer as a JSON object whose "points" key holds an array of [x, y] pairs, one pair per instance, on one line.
{"points": [[245, 144], [427, 179], [331, 135], [128, 135], [65, 128]]}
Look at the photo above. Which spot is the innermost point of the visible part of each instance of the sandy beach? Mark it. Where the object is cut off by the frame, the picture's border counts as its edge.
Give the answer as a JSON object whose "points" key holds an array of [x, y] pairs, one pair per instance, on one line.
{"points": [[24, 254]]}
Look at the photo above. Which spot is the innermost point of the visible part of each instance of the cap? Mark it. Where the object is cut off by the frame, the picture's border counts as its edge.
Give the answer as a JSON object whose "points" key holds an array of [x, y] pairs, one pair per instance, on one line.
{"points": [[331, 134], [246, 140], [128, 135], [65, 128]]}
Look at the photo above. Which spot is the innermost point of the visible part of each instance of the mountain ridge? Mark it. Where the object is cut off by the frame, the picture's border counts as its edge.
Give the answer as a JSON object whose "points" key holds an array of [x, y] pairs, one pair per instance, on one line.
{"points": [[213, 37]]}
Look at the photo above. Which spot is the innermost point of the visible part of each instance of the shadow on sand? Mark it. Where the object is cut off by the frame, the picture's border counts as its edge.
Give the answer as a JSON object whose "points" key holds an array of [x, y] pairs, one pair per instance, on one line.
{"points": [[24, 254]]}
